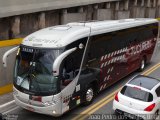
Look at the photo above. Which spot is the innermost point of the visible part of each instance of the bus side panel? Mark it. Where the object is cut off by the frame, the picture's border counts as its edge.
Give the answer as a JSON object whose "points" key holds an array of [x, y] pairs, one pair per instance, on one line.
{"points": [[119, 53], [112, 56]]}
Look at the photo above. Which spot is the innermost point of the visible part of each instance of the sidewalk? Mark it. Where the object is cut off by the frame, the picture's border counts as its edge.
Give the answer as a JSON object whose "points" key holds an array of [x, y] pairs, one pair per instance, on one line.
{"points": [[6, 98], [7, 103]]}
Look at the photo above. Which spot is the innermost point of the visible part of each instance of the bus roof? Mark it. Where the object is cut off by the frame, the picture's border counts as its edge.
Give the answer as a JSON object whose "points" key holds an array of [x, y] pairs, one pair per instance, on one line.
{"points": [[62, 35]]}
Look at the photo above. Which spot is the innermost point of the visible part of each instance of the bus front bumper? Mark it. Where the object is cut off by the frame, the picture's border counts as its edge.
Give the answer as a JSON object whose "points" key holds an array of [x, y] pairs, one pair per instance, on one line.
{"points": [[47, 110]]}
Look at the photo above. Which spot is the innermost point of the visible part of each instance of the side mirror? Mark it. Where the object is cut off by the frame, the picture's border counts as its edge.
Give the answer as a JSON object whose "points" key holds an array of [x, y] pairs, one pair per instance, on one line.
{"points": [[6, 54]]}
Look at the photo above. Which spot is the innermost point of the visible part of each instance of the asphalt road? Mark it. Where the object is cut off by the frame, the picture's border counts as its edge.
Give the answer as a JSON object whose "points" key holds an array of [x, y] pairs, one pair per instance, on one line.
{"points": [[86, 112]]}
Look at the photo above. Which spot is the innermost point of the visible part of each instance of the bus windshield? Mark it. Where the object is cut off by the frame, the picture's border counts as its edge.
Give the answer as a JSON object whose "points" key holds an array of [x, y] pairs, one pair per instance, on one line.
{"points": [[34, 70]]}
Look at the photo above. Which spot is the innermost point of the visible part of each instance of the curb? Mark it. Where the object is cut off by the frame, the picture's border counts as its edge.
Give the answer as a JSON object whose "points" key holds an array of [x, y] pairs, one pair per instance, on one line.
{"points": [[6, 89], [11, 42]]}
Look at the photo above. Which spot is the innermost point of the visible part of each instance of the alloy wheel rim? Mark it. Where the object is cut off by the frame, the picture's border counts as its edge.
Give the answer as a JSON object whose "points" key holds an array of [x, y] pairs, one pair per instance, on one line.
{"points": [[89, 94]]}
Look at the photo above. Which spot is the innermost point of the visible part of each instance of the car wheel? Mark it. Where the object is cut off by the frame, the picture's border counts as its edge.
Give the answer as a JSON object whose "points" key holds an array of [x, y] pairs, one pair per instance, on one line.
{"points": [[142, 65], [116, 113], [156, 114], [89, 95]]}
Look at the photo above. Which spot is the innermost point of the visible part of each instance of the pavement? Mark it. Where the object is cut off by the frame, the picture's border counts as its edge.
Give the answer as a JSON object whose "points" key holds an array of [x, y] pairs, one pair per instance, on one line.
{"points": [[6, 98], [7, 102]]}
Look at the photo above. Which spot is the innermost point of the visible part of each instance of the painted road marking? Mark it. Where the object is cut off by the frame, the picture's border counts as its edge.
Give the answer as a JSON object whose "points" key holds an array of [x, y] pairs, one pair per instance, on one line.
{"points": [[6, 104], [151, 69], [95, 109], [4, 113], [107, 99]]}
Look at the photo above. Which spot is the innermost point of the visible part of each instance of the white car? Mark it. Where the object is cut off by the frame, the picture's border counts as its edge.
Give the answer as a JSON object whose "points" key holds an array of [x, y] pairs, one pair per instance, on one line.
{"points": [[139, 98]]}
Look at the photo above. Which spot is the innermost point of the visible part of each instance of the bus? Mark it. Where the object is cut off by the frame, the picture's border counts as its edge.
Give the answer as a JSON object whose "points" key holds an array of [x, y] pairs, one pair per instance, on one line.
{"points": [[60, 67]]}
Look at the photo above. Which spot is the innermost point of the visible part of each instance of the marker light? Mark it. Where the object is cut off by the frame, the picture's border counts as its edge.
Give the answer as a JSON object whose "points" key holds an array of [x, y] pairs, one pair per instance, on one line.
{"points": [[54, 112]]}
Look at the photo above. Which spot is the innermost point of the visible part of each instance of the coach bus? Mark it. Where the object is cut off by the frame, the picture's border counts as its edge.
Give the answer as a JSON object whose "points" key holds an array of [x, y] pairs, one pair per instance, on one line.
{"points": [[60, 67]]}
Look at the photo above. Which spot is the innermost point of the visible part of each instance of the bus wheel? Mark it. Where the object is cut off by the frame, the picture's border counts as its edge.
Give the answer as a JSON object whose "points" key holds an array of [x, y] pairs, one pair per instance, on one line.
{"points": [[89, 95], [142, 65]]}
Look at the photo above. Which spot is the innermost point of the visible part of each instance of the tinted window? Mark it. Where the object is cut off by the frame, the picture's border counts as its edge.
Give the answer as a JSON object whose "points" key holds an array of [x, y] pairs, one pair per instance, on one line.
{"points": [[136, 93], [158, 91], [71, 64], [100, 45], [146, 32], [73, 61], [126, 37], [34, 71], [145, 82], [155, 29], [105, 43]]}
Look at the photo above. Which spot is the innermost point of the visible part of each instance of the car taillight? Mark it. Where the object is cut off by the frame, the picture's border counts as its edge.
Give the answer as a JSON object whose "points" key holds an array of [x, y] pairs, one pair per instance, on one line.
{"points": [[116, 97], [150, 108]]}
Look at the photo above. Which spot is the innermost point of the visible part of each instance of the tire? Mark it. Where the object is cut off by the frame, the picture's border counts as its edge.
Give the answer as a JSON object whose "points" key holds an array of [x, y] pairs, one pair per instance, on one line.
{"points": [[89, 95], [142, 65], [116, 113], [156, 114]]}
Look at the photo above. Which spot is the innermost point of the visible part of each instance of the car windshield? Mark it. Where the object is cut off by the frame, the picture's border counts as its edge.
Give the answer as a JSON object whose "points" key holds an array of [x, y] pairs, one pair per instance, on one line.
{"points": [[33, 70], [136, 93]]}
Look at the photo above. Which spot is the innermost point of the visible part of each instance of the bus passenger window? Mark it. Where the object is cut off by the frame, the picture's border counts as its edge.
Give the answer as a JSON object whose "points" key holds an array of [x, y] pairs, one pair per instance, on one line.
{"points": [[67, 73], [69, 69], [71, 64]]}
